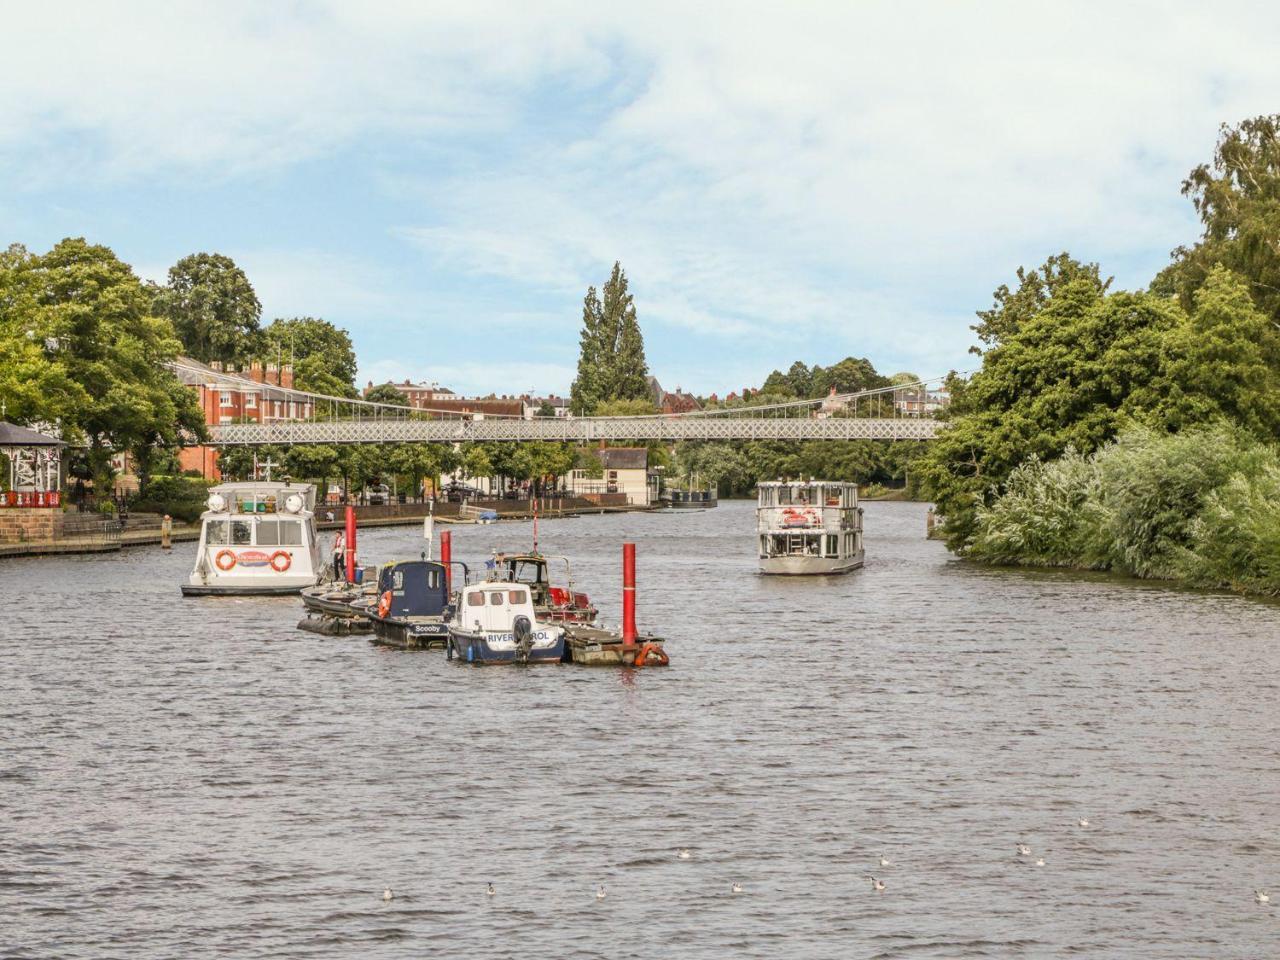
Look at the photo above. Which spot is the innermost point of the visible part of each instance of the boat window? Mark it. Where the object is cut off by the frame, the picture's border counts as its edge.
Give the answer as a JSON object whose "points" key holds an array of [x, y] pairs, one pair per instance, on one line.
{"points": [[495, 599], [516, 596], [268, 533], [528, 573], [241, 531], [290, 533], [833, 548], [433, 579], [215, 531], [475, 599]]}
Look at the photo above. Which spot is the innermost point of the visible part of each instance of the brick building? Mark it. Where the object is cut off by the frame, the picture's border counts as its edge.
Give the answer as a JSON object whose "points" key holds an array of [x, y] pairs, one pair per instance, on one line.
{"points": [[259, 393]]}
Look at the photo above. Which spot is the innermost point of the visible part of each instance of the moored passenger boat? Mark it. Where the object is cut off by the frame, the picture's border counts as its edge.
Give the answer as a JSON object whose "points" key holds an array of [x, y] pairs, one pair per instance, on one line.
{"points": [[809, 527], [257, 537], [412, 609], [495, 623]]}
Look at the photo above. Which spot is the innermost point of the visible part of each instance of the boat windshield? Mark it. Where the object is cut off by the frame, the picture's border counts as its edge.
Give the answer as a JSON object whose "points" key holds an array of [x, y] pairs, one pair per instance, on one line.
{"points": [[527, 571], [238, 533]]}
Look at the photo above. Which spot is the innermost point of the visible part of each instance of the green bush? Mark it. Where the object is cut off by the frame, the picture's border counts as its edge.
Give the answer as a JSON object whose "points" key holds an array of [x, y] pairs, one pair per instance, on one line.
{"points": [[1202, 505]]}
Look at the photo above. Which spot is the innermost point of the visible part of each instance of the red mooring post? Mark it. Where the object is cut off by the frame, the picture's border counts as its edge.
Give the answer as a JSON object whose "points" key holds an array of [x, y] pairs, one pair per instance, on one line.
{"points": [[629, 594], [446, 555], [349, 561]]}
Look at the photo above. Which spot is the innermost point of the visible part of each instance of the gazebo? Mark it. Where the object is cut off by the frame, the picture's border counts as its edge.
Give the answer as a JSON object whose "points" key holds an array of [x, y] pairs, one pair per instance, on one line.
{"points": [[35, 467]]}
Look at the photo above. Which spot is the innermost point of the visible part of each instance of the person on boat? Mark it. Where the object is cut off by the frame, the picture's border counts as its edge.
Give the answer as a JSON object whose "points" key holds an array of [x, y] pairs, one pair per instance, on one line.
{"points": [[339, 557]]}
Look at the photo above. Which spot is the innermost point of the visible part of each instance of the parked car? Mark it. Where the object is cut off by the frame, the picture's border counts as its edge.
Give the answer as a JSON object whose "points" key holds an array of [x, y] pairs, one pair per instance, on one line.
{"points": [[378, 494], [456, 492]]}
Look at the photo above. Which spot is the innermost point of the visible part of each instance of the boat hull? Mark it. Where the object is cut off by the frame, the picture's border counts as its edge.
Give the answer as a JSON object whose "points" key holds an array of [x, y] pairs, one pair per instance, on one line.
{"points": [[242, 589], [808, 566], [409, 634], [476, 648]]}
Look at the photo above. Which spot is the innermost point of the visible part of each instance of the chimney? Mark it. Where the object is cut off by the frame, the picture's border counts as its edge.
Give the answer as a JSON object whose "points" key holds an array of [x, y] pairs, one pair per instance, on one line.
{"points": [[272, 375], [231, 368], [286, 375], [255, 371], [215, 365]]}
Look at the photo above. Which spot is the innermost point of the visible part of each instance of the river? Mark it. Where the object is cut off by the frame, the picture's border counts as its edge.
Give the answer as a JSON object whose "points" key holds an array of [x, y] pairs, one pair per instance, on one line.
{"points": [[188, 778]]}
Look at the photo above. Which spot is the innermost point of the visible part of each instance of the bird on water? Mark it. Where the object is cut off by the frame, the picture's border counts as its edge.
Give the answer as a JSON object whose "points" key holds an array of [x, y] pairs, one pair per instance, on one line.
{"points": [[387, 894], [600, 894], [491, 891], [877, 885], [1040, 862], [1083, 821], [1261, 896], [736, 888], [683, 854], [1024, 850], [884, 861]]}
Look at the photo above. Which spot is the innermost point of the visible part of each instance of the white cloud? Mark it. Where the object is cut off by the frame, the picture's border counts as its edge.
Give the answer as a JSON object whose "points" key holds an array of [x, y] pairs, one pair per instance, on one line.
{"points": [[848, 175]]}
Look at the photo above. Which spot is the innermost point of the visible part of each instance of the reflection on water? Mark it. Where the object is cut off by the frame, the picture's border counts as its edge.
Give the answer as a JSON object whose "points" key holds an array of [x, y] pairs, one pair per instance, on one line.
{"points": [[195, 777]]}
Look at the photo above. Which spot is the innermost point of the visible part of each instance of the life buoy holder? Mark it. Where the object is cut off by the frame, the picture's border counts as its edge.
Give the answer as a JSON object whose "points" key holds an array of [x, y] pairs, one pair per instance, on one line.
{"points": [[384, 604], [281, 560], [225, 560], [646, 651]]}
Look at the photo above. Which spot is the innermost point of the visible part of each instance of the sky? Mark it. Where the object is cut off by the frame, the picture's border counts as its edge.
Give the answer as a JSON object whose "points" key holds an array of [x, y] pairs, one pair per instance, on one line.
{"points": [[780, 181]]}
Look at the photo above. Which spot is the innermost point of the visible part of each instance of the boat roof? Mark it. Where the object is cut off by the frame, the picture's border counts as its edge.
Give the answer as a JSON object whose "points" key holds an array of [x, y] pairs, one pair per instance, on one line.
{"points": [[806, 483], [247, 485]]}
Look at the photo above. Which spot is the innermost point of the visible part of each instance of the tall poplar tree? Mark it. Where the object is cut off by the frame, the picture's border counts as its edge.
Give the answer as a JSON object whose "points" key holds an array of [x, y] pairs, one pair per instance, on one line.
{"points": [[611, 361]]}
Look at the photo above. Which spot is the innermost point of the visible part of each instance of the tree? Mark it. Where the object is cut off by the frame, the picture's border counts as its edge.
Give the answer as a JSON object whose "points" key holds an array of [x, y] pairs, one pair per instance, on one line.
{"points": [[212, 307], [34, 387], [1237, 196], [94, 319], [1036, 288], [545, 409], [626, 408], [386, 393], [1070, 372], [1224, 362], [850, 375], [588, 386], [611, 361], [324, 361]]}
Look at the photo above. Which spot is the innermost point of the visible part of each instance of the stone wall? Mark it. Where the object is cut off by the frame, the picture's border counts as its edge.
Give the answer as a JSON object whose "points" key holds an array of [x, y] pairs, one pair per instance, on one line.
{"points": [[28, 524]]}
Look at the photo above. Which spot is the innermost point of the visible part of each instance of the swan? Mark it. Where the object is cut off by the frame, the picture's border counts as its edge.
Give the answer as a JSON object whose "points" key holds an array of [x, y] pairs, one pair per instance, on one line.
{"points": [[600, 894], [736, 888], [1040, 862], [877, 885], [387, 894], [1024, 850], [683, 854], [1083, 821], [1262, 896], [884, 861]]}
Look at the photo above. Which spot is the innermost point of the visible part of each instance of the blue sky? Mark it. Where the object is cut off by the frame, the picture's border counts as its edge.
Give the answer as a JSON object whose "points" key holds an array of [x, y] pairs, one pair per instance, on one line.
{"points": [[781, 182]]}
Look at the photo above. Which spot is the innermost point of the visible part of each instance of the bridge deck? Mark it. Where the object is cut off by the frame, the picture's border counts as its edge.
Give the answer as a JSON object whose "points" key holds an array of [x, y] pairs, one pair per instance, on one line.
{"points": [[578, 430]]}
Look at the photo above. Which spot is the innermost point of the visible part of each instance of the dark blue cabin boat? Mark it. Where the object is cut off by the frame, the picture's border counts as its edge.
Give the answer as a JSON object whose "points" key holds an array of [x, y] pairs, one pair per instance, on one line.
{"points": [[412, 609]]}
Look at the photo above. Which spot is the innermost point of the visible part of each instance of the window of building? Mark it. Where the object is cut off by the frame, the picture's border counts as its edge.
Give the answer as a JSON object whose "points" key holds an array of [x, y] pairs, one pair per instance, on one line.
{"points": [[224, 399], [251, 400]]}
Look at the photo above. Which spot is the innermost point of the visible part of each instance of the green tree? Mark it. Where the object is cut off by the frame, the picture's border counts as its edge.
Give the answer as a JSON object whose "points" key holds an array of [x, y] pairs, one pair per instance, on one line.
{"points": [[324, 360], [611, 361], [212, 307], [386, 393], [640, 407], [1036, 289], [1237, 196], [94, 318], [34, 386], [1224, 362]]}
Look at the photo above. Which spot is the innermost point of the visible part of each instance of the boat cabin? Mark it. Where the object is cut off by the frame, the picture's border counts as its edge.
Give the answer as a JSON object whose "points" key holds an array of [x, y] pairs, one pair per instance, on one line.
{"points": [[493, 606], [417, 588], [553, 602]]}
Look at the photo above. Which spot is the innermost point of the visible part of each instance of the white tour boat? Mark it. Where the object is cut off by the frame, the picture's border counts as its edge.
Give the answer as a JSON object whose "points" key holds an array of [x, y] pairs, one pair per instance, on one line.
{"points": [[257, 537], [809, 527]]}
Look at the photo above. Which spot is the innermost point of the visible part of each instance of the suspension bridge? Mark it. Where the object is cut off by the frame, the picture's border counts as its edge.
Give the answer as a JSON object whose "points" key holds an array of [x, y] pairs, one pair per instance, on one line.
{"points": [[898, 412]]}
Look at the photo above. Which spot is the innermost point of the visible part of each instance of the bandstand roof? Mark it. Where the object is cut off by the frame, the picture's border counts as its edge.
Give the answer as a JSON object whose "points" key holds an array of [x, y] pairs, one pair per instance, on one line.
{"points": [[12, 435]]}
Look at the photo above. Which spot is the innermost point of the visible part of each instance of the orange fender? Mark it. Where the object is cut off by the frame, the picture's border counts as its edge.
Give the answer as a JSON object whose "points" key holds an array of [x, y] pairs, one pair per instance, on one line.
{"points": [[646, 651]]}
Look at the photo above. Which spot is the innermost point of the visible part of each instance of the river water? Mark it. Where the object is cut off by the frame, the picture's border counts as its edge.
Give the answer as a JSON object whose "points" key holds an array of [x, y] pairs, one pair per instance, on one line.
{"points": [[197, 778]]}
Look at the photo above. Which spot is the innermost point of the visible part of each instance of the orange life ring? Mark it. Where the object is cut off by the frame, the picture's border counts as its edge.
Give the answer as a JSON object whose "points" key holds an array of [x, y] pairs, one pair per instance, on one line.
{"points": [[225, 555], [647, 650], [384, 604], [281, 555]]}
